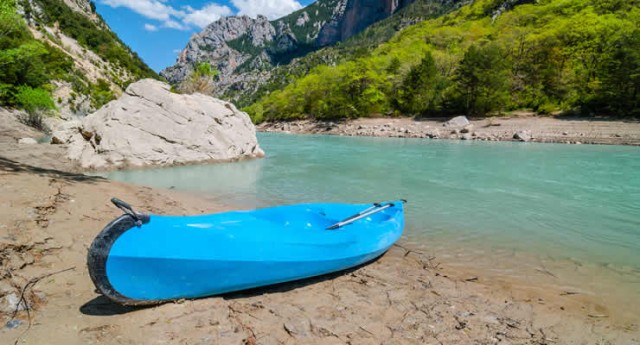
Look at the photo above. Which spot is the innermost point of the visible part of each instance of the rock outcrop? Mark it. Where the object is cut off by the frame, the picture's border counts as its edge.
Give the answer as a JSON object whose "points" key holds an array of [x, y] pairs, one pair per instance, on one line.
{"points": [[213, 45], [353, 16], [150, 125]]}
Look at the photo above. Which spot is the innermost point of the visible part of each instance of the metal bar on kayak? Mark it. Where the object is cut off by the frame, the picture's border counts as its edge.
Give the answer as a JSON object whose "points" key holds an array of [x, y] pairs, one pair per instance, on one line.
{"points": [[365, 213], [375, 205]]}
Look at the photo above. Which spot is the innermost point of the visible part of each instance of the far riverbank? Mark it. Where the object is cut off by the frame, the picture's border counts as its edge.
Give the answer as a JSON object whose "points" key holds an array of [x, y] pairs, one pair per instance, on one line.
{"points": [[515, 128]]}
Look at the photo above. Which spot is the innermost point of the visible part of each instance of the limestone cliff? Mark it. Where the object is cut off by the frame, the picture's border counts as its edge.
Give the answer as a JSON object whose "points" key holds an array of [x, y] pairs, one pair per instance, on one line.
{"points": [[353, 16]]}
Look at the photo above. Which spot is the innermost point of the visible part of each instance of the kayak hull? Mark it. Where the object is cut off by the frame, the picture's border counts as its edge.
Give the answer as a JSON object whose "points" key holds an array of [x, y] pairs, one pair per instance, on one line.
{"points": [[175, 257]]}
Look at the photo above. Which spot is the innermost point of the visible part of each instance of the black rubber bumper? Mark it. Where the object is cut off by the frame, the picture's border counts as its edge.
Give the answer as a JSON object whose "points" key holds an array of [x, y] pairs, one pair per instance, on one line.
{"points": [[97, 259]]}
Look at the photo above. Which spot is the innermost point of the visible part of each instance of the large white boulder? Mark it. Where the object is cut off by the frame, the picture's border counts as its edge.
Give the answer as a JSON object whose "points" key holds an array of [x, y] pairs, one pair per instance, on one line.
{"points": [[150, 125], [458, 121]]}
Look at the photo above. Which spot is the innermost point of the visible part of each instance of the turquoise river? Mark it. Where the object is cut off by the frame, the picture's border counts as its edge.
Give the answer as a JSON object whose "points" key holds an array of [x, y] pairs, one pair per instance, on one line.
{"points": [[564, 215]]}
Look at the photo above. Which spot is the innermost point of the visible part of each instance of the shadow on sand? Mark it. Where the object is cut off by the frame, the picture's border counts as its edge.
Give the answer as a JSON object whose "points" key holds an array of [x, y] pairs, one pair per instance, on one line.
{"points": [[102, 306], [10, 166]]}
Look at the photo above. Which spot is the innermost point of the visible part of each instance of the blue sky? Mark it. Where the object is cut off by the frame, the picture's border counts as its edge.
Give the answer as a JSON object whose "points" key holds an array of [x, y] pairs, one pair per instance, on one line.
{"points": [[159, 29]]}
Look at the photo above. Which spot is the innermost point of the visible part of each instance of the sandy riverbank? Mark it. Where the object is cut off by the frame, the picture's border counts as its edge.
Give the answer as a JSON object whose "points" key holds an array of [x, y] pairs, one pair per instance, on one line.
{"points": [[49, 217], [540, 129]]}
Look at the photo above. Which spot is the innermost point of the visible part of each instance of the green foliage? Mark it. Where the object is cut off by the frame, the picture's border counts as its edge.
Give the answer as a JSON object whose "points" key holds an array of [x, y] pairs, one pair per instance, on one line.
{"points": [[481, 80], [242, 44], [421, 90], [34, 100], [201, 80], [318, 11], [98, 39], [101, 94], [26, 65], [547, 55], [204, 69]]}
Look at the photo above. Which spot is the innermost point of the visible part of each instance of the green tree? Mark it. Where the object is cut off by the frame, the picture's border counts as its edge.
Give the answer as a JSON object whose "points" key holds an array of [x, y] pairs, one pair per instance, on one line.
{"points": [[421, 88], [481, 80], [620, 77], [37, 103]]}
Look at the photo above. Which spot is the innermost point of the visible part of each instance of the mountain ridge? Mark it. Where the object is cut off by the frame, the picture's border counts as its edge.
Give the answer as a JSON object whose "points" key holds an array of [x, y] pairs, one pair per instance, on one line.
{"points": [[244, 64]]}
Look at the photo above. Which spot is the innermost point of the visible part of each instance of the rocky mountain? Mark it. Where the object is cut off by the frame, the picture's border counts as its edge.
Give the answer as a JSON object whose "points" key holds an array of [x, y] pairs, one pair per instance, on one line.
{"points": [[244, 50], [75, 56]]}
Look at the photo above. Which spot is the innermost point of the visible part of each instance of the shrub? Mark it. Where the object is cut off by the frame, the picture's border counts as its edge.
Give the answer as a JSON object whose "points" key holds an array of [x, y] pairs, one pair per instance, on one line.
{"points": [[34, 100], [101, 94], [201, 80], [34, 120]]}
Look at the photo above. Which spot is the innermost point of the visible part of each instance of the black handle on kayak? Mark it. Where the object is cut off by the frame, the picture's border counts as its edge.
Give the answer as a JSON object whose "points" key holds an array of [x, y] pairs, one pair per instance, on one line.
{"points": [[140, 218], [121, 204]]}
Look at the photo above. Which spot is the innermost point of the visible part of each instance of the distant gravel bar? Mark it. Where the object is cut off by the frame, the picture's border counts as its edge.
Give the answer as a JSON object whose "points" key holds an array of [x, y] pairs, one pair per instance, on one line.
{"points": [[516, 128]]}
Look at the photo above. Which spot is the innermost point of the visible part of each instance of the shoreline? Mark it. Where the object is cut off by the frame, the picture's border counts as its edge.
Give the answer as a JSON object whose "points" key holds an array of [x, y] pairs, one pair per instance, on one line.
{"points": [[406, 296], [526, 128], [51, 213]]}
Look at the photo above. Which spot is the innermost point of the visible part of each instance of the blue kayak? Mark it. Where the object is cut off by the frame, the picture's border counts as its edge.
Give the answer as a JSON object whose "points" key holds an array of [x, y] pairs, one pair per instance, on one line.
{"points": [[145, 259]]}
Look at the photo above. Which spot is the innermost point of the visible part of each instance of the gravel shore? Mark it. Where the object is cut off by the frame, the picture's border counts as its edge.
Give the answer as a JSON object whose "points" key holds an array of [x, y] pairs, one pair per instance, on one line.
{"points": [[516, 128]]}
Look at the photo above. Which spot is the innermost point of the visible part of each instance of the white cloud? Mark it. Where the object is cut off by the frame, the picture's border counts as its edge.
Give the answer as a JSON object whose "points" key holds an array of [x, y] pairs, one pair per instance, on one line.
{"points": [[152, 9], [272, 9], [172, 24], [203, 17], [150, 27], [187, 17]]}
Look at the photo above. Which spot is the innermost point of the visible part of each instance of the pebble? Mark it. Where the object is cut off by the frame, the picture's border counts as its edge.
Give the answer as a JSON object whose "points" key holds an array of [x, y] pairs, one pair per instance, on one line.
{"points": [[11, 324]]}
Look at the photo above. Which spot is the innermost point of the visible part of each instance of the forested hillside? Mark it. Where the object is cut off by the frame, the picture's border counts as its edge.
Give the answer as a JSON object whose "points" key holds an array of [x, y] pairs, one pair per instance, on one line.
{"points": [[483, 59], [255, 56], [53, 57], [357, 46]]}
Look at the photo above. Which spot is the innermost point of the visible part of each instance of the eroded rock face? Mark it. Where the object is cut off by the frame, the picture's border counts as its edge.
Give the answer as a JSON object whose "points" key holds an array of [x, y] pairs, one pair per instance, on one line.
{"points": [[149, 125], [212, 45], [353, 16]]}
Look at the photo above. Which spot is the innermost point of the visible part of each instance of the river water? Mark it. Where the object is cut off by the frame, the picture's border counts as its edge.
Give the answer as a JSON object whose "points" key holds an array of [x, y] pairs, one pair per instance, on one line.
{"points": [[569, 214]]}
